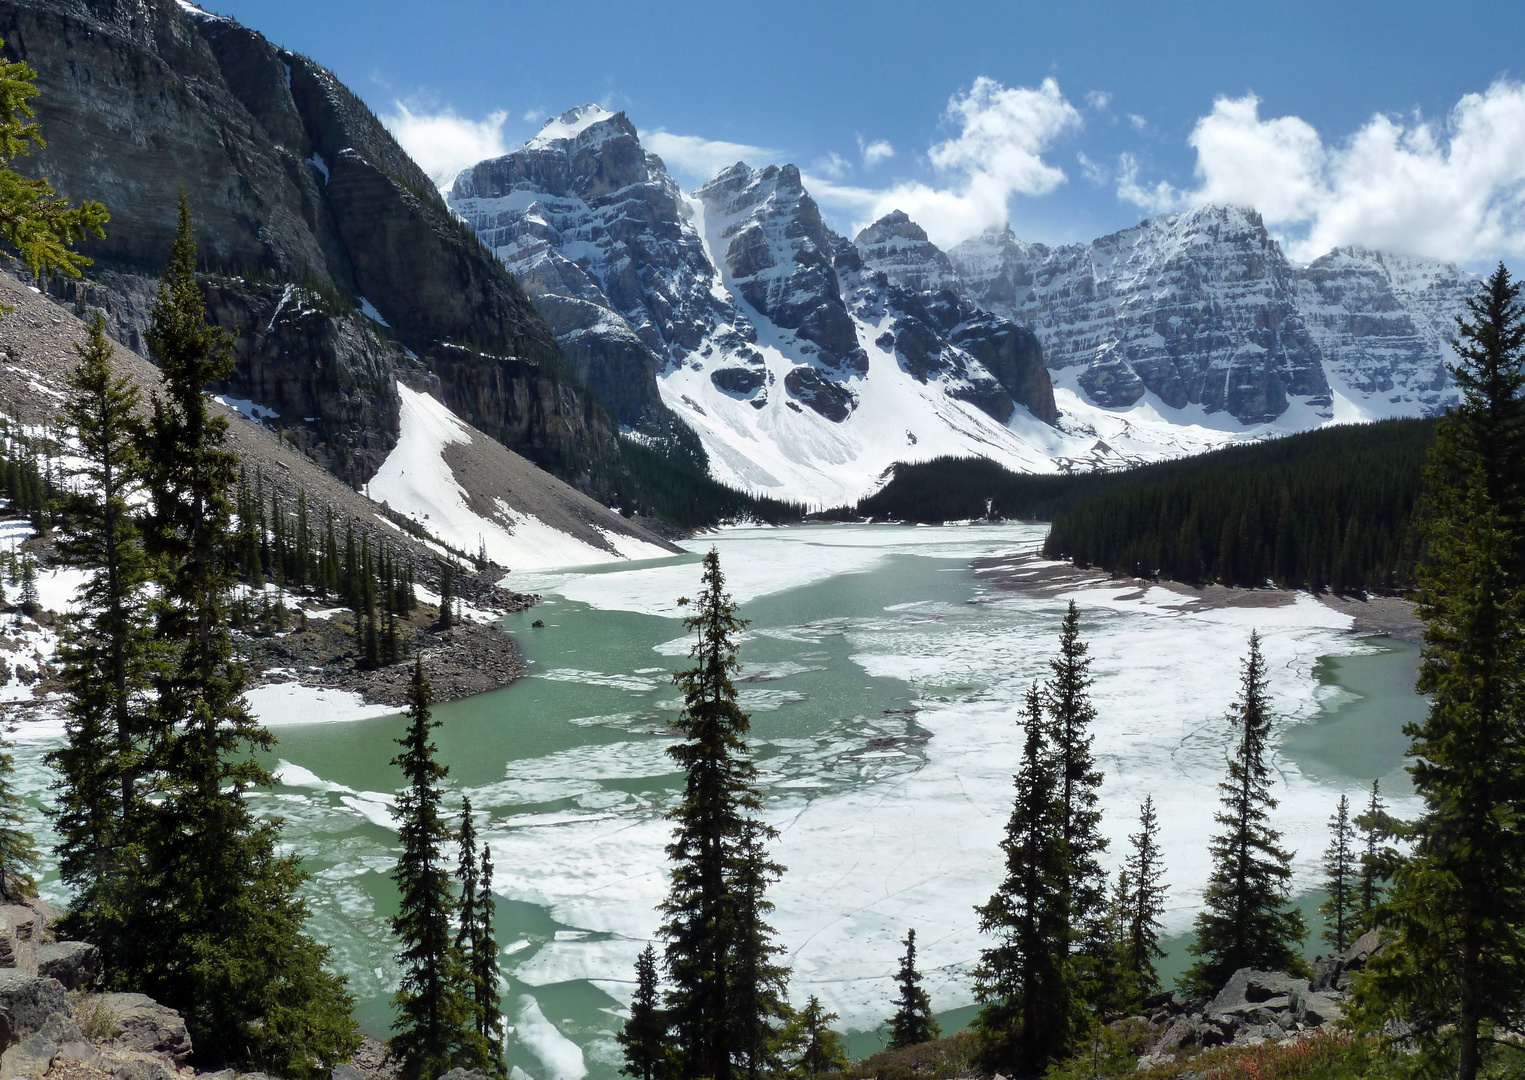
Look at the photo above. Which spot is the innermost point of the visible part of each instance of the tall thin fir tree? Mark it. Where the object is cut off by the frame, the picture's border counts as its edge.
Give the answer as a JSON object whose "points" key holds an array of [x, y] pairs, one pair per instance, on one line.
{"points": [[912, 1022], [486, 972], [223, 938], [1246, 922], [1145, 901], [1457, 905], [1025, 982], [644, 1037], [759, 984], [18, 851], [815, 1048], [1340, 875], [433, 1029], [106, 655], [470, 941], [1378, 858], [722, 980]]}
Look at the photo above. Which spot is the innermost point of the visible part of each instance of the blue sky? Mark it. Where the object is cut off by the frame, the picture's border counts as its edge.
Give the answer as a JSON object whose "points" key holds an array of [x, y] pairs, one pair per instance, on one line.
{"points": [[1398, 125]]}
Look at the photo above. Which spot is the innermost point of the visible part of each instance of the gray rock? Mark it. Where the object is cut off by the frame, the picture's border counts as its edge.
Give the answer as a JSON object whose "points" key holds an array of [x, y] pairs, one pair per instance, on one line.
{"points": [[1181, 1033], [1248, 986], [831, 399], [346, 1071], [1320, 1009], [1362, 949], [465, 1074], [32, 1056], [72, 963], [140, 1024], [132, 1065], [30, 1001]]}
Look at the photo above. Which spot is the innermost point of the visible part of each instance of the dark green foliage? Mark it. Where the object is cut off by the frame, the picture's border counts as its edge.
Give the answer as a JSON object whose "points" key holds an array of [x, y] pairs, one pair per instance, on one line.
{"points": [[1144, 902], [1326, 509], [726, 994], [912, 1022], [106, 655], [478, 946], [1025, 981], [446, 598], [1339, 910], [1457, 905], [816, 1050], [679, 490], [18, 851], [1378, 859], [433, 1030], [1245, 922], [217, 926], [645, 1035]]}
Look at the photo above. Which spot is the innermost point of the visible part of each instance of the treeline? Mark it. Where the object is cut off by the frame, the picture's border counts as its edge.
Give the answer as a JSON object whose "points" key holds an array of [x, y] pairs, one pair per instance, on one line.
{"points": [[1329, 509]]}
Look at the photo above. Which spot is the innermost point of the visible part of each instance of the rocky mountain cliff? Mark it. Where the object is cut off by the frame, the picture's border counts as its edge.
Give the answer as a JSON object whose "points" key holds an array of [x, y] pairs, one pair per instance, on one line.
{"points": [[326, 246], [1203, 309], [805, 364]]}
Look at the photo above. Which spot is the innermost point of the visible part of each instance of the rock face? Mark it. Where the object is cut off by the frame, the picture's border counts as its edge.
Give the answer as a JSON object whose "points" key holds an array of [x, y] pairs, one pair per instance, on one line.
{"points": [[72, 964], [1253, 1007], [292, 181], [1203, 308]]}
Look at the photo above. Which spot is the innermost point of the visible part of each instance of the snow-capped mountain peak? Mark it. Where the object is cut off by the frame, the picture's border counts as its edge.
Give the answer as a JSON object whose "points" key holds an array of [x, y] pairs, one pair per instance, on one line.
{"points": [[570, 124]]}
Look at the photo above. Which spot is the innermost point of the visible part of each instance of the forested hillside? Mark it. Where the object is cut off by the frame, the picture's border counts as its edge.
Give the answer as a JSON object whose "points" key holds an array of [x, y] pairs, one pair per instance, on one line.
{"points": [[1328, 509]]}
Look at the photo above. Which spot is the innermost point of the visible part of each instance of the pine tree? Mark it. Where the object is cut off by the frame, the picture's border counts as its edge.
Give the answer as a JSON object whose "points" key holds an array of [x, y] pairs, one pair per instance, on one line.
{"points": [[644, 1036], [106, 653], [18, 852], [1339, 879], [816, 1049], [1457, 905], [726, 989], [434, 1021], [1244, 923], [469, 942], [1025, 982], [912, 1022], [219, 934], [1145, 901]]}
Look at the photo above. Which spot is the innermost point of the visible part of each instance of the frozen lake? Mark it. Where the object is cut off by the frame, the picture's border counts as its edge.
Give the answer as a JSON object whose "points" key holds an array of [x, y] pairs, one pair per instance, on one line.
{"points": [[884, 681]]}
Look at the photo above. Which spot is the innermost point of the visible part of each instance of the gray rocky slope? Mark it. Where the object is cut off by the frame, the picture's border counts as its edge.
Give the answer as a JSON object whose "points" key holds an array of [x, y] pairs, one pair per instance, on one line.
{"points": [[325, 246]]}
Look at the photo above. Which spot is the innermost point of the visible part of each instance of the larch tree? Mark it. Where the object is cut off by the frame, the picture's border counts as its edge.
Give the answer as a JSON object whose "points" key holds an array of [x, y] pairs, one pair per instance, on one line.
{"points": [[1245, 922], [912, 1022], [433, 1029], [644, 1037], [1340, 876], [1030, 1008], [223, 938], [106, 655], [1456, 906]]}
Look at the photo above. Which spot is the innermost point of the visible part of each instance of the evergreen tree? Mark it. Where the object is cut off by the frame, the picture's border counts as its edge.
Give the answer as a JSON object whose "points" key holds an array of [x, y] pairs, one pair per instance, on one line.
{"points": [[644, 1036], [1026, 982], [1378, 860], [446, 599], [31, 604], [433, 1031], [1457, 905], [472, 940], [1339, 879], [725, 987], [217, 932], [912, 1022], [106, 653], [18, 852], [816, 1049], [486, 973], [1244, 923], [1145, 901]]}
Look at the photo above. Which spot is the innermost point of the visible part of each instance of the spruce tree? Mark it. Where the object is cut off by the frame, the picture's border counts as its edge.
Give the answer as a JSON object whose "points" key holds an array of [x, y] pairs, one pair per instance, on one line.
{"points": [[472, 939], [1339, 879], [433, 1030], [18, 851], [105, 656], [1245, 922], [644, 1036], [816, 1049], [486, 972], [446, 599], [1025, 982], [1378, 860], [725, 988], [219, 936], [1457, 905], [912, 1022], [1145, 901]]}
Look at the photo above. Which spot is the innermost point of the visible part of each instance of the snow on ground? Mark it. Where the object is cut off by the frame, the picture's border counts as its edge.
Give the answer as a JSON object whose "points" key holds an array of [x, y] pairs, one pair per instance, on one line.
{"points": [[286, 704], [416, 480], [253, 410]]}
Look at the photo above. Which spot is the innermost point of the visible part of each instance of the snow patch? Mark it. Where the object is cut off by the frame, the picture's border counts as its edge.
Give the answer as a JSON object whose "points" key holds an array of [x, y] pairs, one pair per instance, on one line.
{"points": [[289, 704]]}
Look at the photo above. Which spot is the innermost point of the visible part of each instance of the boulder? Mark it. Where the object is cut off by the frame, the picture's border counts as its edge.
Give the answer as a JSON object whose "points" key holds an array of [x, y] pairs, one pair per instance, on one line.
{"points": [[29, 1001], [1362, 949], [459, 1073], [1319, 1009], [139, 1024], [32, 1057], [73, 963], [1248, 986], [133, 1065], [346, 1071]]}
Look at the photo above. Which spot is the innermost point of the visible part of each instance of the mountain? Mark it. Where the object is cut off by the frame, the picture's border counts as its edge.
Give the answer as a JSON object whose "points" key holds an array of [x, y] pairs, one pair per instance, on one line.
{"points": [[1203, 309], [804, 366]]}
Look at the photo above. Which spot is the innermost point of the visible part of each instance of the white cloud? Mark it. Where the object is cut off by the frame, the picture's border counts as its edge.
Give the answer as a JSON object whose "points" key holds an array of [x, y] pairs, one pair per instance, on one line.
{"points": [[1138, 122], [1451, 189], [833, 165], [444, 143], [1098, 99], [533, 116], [1003, 133], [699, 159], [1095, 172], [875, 152], [1160, 199]]}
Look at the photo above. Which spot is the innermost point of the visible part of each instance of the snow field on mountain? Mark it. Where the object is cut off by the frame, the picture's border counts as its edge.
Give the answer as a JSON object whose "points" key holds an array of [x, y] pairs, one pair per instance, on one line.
{"points": [[415, 480]]}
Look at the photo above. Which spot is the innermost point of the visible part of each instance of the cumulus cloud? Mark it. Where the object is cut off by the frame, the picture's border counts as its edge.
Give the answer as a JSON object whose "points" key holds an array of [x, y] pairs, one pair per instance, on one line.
{"points": [[1098, 99], [998, 152], [1452, 188], [1159, 199], [443, 143], [699, 159], [875, 152]]}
